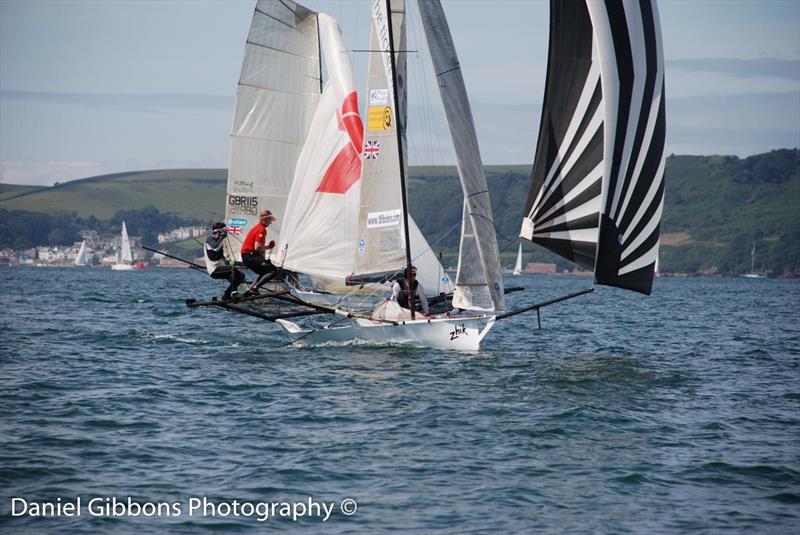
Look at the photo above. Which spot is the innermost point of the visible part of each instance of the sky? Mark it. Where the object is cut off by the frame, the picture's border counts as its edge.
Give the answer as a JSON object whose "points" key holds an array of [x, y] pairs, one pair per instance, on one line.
{"points": [[99, 86]]}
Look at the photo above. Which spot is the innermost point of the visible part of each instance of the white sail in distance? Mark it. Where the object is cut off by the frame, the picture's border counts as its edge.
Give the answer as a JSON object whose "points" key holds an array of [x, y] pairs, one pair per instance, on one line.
{"points": [[518, 263], [125, 255], [80, 260]]}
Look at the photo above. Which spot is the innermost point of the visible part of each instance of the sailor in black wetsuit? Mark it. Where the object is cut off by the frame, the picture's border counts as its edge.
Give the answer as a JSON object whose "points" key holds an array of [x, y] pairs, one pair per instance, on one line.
{"points": [[401, 295], [215, 261]]}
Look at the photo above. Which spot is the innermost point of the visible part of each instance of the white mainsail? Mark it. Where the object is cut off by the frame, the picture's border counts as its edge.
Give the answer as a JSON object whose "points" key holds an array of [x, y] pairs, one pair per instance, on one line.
{"points": [[381, 239], [80, 260], [279, 87], [125, 255], [518, 263], [381, 243], [296, 149], [479, 283]]}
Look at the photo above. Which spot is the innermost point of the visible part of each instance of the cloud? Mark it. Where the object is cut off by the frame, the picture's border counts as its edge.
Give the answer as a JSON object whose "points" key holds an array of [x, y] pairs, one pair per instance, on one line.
{"points": [[733, 124], [133, 103], [788, 69], [751, 111], [48, 173]]}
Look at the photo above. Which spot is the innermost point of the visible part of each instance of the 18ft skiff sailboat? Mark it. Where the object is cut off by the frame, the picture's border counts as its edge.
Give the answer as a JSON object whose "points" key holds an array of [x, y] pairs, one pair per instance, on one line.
{"points": [[597, 182]]}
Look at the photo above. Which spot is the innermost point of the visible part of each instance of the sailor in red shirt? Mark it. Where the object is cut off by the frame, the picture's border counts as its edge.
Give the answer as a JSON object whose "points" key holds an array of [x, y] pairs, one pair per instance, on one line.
{"points": [[254, 247]]}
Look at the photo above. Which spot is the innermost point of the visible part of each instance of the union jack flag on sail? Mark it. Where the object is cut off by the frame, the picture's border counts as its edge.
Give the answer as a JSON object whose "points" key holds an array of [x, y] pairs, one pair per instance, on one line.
{"points": [[371, 150], [234, 229]]}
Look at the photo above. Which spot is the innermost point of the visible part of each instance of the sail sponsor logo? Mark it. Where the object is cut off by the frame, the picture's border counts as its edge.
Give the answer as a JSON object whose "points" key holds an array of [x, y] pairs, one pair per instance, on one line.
{"points": [[381, 20], [458, 331], [243, 184], [362, 246], [379, 118], [388, 218], [379, 97], [240, 221], [243, 204]]}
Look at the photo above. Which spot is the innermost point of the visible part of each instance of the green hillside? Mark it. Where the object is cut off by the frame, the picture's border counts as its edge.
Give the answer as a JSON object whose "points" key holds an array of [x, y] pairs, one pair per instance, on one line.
{"points": [[715, 207], [8, 191], [189, 193]]}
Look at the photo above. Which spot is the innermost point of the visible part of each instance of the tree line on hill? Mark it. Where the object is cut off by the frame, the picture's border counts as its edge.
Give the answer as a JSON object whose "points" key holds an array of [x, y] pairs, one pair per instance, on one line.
{"points": [[22, 229], [722, 204], [715, 209]]}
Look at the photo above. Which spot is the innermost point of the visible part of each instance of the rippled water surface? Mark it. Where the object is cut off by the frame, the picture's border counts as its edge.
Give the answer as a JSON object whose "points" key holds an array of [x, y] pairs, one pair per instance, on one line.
{"points": [[677, 412]]}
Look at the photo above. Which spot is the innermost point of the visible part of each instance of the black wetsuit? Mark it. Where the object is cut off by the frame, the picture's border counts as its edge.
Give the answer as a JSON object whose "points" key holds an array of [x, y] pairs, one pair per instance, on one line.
{"points": [[218, 269], [258, 263], [404, 300]]}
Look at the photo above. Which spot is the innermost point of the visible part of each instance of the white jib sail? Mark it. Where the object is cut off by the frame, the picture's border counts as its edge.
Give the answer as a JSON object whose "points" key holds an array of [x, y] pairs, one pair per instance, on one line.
{"points": [[320, 228], [125, 256], [279, 87], [479, 283]]}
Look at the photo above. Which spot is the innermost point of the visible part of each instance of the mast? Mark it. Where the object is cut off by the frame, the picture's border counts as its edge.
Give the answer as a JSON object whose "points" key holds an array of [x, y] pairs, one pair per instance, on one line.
{"points": [[319, 53], [753, 258], [400, 157]]}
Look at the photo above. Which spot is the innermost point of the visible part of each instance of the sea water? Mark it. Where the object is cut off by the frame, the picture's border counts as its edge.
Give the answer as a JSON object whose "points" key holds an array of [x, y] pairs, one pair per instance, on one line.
{"points": [[624, 413]]}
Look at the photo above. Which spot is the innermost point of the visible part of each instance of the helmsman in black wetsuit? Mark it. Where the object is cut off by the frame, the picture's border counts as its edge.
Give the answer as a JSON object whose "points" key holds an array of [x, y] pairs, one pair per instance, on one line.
{"points": [[401, 295], [215, 261]]}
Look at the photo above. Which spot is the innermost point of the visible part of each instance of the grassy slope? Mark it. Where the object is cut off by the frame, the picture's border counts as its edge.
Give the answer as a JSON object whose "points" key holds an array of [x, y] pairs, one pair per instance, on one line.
{"points": [[715, 206], [187, 192], [13, 190]]}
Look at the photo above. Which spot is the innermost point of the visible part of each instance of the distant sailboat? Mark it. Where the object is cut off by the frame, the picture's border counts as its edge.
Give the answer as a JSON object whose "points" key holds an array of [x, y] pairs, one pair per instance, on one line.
{"points": [[125, 255], [753, 274], [518, 265], [80, 260]]}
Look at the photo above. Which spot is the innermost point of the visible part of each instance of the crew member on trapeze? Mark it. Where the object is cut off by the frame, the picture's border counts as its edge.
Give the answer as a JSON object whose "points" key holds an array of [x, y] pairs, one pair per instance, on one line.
{"points": [[216, 265], [254, 248], [401, 295]]}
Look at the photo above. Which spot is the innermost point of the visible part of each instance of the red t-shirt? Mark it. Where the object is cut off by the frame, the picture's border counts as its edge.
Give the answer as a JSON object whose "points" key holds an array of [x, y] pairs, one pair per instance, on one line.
{"points": [[254, 238]]}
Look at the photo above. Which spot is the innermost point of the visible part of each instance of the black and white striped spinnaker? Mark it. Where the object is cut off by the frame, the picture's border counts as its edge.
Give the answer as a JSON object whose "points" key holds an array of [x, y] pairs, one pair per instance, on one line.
{"points": [[597, 185]]}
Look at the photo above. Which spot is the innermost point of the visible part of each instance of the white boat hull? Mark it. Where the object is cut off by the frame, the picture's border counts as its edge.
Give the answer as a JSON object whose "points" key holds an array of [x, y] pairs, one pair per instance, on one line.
{"points": [[122, 267], [462, 334]]}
